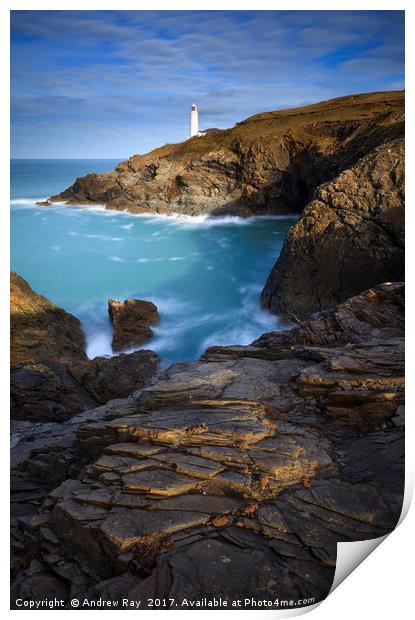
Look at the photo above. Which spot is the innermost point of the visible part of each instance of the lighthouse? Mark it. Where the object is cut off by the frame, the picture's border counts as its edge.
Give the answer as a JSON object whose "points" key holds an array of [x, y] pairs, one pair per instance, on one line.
{"points": [[194, 121]]}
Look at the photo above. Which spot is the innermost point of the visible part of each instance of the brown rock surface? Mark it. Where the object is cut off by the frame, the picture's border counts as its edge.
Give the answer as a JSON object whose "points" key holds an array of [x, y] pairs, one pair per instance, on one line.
{"points": [[39, 329], [132, 321], [232, 476], [269, 163], [349, 238], [51, 377]]}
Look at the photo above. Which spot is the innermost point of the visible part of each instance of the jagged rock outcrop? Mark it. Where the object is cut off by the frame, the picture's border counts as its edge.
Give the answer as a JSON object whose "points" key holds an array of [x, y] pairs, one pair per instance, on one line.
{"points": [[349, 238], [233, 476], [269, 163], [132, 321], [51, 377]]}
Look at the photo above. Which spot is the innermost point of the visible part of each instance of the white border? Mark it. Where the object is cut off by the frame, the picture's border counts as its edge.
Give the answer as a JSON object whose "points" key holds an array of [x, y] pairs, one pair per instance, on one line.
{"points": [[383, 584]]}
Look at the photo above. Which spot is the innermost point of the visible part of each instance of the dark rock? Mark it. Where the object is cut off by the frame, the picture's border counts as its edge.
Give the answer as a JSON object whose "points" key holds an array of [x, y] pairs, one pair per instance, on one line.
{"points": [[116, 377], [234, 476], [349, 238], [132, 321], [51, 377]]}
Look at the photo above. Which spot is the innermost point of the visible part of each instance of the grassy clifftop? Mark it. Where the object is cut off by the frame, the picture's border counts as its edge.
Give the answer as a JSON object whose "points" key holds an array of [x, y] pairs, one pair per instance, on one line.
{"points": [[269, 163], [298, 122]]}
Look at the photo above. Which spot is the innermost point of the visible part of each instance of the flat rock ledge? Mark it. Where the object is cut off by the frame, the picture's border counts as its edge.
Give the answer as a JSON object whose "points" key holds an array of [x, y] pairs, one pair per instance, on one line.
{"points": [[132, 321], [234, 476]]}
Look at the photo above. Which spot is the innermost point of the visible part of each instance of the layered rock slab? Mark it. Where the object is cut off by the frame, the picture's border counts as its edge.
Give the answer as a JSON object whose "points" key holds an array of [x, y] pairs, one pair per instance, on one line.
{"points": [[184, 487]]}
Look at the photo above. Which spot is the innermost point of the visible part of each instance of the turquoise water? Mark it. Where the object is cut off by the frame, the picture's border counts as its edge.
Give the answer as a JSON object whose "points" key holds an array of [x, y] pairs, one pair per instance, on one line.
{"points": [[204, 274]]}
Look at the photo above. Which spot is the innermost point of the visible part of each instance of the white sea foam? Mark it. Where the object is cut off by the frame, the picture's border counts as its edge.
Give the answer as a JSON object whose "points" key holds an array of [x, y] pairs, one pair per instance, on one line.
{"points": [[180, 219], [73, 233], [127, 226], [150, 260], [116, 259], [242, 326], [209, 221], [223, 242], [26, 201], [168, 337], [99, 344], [171, 305], [94, 208], [103, 237]]}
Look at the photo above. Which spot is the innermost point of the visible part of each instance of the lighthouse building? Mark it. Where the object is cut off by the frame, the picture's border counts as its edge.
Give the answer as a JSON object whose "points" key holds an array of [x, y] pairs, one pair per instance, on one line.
{"points": [[194, 123]]}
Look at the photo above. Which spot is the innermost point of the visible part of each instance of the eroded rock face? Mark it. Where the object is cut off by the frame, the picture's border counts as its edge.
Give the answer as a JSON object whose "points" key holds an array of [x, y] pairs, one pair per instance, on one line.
{"points": [[132, 321], [349, 238], [233, 476], [51, 377], [39, 329], [269, 163]]}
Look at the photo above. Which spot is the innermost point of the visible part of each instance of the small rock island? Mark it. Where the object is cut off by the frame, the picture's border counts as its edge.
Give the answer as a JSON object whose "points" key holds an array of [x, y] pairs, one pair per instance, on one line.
{"points": [[132, 321]]}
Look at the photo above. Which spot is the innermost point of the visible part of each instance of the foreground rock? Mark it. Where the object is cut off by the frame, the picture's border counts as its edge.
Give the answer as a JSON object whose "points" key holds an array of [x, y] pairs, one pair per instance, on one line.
{"points": [[132, 321], [51, 377], [349, 238], [269, 163], [234, 476]]}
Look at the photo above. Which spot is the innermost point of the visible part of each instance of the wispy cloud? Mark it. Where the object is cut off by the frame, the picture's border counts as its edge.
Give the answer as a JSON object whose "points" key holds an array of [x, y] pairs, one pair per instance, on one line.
{"points": [[94, 83]]}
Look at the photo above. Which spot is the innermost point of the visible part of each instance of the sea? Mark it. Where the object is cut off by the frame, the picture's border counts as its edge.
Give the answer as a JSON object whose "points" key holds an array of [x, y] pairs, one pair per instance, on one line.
{"points": [[204, 274]]}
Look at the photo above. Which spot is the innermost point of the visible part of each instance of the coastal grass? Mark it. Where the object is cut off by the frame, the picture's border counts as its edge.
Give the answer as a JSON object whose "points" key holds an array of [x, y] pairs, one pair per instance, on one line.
{"points": [[303, 123]]}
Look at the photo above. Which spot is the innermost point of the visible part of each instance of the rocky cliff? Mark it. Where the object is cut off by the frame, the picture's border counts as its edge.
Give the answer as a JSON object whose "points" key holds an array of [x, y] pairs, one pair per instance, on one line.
{"points": [[350, 237], [270, 163], [233, 476], [51, 377]]}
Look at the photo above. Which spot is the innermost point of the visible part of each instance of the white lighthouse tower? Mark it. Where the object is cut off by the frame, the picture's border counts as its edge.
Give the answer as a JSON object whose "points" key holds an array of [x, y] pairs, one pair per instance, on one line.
{"points": [[194, 121]]}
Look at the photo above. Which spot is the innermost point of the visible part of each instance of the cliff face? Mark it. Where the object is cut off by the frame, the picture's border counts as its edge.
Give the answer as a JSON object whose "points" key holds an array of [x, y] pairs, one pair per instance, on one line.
{"points": [[350, 237], [51, 377], [259, 458], [268, 164]]}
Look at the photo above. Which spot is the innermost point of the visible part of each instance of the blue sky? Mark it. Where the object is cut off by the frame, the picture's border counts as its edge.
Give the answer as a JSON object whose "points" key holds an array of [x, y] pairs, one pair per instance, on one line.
{"points": [[89, 84]]}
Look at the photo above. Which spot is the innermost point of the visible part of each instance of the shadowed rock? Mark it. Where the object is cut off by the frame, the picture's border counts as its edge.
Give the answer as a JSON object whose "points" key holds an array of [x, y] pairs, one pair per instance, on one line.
{"points": [[349, 238], [233, 476], [132, 321], [51, 377]]}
